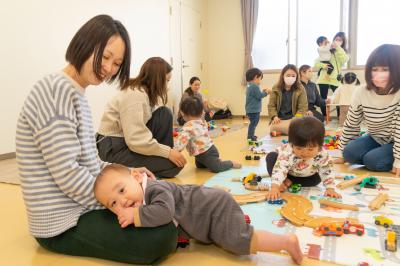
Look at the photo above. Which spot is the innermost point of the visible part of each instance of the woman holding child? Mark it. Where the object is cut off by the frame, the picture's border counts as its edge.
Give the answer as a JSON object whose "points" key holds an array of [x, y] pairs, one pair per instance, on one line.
{"points": [[377, 104], [330, 78], [288, 99], [136, 127], [57, 155]]}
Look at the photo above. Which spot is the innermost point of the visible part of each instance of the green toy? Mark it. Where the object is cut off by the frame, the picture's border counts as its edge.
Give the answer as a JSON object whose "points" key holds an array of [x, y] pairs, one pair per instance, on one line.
{"points": [[294, 188], [367, 182]]}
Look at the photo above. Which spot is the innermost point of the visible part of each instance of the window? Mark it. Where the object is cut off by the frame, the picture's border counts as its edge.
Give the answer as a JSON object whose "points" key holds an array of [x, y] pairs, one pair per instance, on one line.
{"points": [[287, 31], [377, 24], [312, 24], [269, 44]]}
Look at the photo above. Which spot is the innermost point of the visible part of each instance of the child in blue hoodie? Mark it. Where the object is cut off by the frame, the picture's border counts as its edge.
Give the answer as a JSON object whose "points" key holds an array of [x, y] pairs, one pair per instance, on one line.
{"points": [[253, 99]]}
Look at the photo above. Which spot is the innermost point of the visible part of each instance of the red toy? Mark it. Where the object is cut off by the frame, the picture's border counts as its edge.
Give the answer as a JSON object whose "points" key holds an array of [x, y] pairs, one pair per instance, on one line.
{"points": [[349, 228]]}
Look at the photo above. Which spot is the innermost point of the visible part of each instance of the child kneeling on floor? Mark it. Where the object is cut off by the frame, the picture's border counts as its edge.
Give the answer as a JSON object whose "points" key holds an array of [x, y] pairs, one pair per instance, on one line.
{"points": [[208, 215], [194, 136], [302, 160]]}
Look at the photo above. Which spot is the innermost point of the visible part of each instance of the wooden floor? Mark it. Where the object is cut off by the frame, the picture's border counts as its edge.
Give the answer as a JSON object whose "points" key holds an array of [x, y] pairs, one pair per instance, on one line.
{"points": [[17, 247]]}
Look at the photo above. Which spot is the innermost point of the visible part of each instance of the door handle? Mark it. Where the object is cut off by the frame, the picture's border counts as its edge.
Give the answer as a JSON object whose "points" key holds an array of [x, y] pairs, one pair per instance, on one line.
{"points": [[185, 65]]}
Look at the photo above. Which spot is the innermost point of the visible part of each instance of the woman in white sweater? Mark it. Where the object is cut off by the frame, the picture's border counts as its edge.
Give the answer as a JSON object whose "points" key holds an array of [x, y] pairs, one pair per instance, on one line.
{"points": [[377, 104], [344, 93], [136, 127]]}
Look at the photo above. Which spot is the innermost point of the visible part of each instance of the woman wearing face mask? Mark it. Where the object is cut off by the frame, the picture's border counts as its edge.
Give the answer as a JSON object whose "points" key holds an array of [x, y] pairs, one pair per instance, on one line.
{"points": [[377, 104], [338, 59], [313, 97], [288, 99]]}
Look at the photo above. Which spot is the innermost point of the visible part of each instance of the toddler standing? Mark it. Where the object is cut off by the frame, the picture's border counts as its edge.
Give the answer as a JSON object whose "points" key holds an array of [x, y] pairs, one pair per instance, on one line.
{"points": [[253, 100]]}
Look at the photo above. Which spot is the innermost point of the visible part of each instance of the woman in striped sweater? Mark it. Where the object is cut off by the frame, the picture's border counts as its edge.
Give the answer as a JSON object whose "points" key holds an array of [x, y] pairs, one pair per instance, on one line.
{"points": [[377, 103], [57, 155]]}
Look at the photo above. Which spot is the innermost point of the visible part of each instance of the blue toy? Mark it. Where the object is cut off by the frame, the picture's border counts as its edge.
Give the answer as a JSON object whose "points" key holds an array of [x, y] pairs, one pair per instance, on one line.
{"points": [[284, 141], [348, 177], [278, 201]]}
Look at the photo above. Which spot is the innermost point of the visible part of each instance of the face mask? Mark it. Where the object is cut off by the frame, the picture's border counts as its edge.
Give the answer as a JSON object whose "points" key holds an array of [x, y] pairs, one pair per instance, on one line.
{"points": [[380, 78], [338, 43], [289, 80]]}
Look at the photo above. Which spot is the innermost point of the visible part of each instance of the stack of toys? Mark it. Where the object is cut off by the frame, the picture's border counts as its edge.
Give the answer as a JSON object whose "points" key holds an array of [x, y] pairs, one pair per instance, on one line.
{"points": [[211, 125], [331, 142]]}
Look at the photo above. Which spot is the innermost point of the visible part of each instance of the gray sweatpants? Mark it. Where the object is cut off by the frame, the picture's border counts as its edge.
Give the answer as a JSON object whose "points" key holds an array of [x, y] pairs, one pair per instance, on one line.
{"points": [[210, 159]]}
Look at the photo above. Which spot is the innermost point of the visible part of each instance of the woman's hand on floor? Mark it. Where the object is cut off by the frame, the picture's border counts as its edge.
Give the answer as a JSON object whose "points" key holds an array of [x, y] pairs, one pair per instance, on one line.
{"points": [[396, 171], [177, 158]]}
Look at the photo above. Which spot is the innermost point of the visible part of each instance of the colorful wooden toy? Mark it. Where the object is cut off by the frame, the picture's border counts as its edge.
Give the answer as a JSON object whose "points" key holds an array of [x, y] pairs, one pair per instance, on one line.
{"points": [[391, 241], [383, 220]]}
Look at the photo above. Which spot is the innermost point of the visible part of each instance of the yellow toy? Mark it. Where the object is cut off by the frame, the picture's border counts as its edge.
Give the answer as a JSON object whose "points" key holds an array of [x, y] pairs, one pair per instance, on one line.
{"points": [[248, 178], [391, 241]]}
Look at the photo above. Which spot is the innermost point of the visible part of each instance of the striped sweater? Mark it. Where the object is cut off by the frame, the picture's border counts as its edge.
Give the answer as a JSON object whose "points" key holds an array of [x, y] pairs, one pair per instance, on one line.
{"points": [[381, 116], [56, 155]]}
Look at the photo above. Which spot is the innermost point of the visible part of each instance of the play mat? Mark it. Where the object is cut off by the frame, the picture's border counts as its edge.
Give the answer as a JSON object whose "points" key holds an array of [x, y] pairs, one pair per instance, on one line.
{"points": [[348, 249]]}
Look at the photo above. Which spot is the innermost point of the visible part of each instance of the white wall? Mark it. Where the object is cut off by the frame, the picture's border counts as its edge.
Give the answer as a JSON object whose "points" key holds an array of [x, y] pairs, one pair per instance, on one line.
{"points": [[36, 34]]}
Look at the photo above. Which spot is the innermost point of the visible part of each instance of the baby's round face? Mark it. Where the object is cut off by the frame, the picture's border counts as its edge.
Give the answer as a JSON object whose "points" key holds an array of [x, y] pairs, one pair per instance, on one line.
{"points": [[306, 153], [120, 191]]}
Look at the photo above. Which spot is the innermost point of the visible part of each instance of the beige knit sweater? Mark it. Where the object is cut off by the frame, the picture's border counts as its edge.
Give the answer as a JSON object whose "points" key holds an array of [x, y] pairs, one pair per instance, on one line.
{"points": [[126, 116]]}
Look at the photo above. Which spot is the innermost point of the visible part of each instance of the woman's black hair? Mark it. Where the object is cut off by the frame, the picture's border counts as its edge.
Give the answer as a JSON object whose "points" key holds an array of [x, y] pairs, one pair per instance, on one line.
{"points": [[93, 37], [341, 35], [386, 55], [189, 89]]}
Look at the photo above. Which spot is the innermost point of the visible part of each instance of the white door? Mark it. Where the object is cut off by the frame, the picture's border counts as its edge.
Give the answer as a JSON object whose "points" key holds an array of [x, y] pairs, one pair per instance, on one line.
{"points": [[185, 48], [175, 84], [191, 43]]}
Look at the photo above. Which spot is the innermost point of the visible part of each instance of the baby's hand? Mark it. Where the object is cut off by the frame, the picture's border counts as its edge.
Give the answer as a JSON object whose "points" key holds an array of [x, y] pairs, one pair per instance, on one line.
{"points": [[330, 192], [274, 193], [125, 216]]}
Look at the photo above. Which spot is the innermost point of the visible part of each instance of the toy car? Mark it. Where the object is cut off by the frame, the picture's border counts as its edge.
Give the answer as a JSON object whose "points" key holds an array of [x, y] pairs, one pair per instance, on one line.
{"points": [[348, 177], [349, 228], [278, 201], [330, 229], [382, 220], [294, 188], [391, 241], [182, 242], [369, 182]]}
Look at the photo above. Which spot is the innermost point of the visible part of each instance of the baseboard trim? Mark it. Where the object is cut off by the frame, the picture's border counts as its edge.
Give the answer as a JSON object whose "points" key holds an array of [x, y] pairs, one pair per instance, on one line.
{"points": [[6, 156]]}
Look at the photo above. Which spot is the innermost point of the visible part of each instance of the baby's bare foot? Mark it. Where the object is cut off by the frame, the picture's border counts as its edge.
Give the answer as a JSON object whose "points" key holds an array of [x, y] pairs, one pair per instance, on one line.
{"points": [[236, 165], [293, 247]]}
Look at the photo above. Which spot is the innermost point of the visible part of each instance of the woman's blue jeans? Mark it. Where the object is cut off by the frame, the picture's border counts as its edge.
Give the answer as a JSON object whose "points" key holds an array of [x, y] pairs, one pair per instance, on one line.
{"points": [[365, 150]]}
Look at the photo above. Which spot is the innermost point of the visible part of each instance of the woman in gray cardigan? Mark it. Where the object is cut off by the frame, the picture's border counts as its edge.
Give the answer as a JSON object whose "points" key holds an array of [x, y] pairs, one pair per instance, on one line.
{"points": [[57, 156]]}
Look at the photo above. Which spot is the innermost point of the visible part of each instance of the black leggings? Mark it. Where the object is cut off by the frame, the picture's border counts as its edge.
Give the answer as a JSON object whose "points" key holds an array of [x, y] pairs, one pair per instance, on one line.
{"points": [[324, 88], [305, 181], [115, 150]]}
